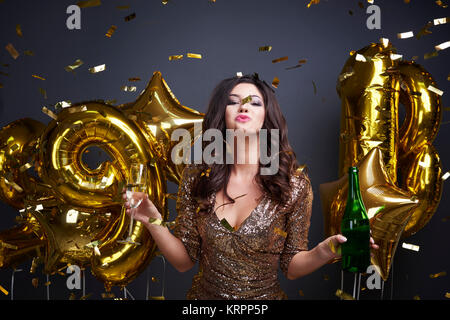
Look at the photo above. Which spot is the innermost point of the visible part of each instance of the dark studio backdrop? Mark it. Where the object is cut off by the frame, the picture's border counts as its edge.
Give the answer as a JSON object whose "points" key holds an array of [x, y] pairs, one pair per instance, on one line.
{"points": [[228, 35]]}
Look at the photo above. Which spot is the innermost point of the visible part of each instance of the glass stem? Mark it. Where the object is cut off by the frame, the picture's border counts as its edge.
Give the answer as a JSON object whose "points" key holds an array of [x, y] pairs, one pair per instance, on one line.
{"points": [[131, 222]]}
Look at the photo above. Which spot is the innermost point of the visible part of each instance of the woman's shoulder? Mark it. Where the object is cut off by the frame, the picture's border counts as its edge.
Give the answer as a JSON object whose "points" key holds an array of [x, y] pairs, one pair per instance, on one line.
{"points": [[300, 185]]}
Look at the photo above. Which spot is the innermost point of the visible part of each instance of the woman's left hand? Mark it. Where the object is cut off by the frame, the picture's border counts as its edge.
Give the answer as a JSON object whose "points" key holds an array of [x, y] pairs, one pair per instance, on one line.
{"points": [[329, 248]]}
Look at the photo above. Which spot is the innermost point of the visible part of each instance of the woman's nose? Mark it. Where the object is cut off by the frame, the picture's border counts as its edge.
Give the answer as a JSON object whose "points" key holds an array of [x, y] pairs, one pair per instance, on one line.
{"points": [[243, 108]]}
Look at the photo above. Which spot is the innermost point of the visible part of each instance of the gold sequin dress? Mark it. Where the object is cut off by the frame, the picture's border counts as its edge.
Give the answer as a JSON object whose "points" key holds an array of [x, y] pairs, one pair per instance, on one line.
{"points": [[243, 264]]}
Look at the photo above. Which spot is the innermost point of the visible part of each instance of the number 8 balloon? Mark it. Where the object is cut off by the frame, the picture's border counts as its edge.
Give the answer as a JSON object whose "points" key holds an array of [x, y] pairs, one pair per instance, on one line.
{"points": [[400, 170]]}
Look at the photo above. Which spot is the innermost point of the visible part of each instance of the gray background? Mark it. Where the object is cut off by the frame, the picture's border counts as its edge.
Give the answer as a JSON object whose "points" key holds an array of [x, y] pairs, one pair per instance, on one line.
{"points": [[228, 35]]}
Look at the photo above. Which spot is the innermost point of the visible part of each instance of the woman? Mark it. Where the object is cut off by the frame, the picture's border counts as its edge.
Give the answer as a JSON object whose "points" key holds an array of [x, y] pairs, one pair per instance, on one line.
{"points": [[238, 223]]}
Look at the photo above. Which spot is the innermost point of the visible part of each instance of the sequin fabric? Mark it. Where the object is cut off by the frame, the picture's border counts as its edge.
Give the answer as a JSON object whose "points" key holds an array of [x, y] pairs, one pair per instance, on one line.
{"points": [[243, 264]]}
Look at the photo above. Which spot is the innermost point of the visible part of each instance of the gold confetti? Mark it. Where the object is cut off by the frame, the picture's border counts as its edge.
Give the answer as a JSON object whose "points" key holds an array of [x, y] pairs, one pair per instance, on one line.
{"points": [[154, 279], [416, 297], [361, 5], [50, 113], [227, 225], [37, 77], [128, 88], [29, 53], [447, 295], [89, 3], [246, 100], [239, 74], [25, 167], [98, 68], [315, 88], [265, 48], [8, 246], [1, 85], [158, 298], [134, 79], [4, 290], [410, 246], [441, 21], [86, 296], [275, 82], [441, 4], [415, 58], [165, 2], [300, 292], [35, 282], [280, 59], [424, 31], [111, 31], [73, 66], [106, 295], [19, 30], [344, 296], [47, 283], [445, 175], [176, 57], [130, 17], [435, 90], [312, 2], [405, 35], [43, 92], [123, 7], [280, 232], [194, 55], [437, 275], [12, 51], [430, 55], [72, 296], [326, 277], [442, 46]]}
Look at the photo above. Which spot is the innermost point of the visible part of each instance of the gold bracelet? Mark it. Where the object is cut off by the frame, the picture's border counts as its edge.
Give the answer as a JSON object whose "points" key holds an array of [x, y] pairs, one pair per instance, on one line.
{"points": [[159, 222]]}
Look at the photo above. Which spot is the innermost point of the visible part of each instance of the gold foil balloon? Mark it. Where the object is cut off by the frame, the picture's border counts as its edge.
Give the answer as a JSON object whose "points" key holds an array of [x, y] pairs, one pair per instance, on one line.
{"points": [[372, 85], [80, 219]]}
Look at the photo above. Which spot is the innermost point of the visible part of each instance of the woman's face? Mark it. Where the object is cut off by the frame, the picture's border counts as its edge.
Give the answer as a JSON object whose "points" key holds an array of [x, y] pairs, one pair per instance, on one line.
{"points": [[245, 108]]}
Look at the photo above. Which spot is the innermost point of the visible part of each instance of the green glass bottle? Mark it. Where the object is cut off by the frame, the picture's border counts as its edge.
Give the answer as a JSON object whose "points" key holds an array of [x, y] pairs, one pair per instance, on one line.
{"points": [[355, 226]]}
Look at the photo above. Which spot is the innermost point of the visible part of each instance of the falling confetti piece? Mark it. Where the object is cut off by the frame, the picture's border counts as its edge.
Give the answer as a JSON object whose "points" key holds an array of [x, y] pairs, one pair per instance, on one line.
{"points": [[280, 232], [416, 297], [134, 79], [73, 66], [430, 55], [360, 57], [194, 55], [47, 283], [176, 57], [315, 88], [361, 5], [130, 17], [12, 51], [86, 296], [50, 113], [35, 282], [111, 30], [123, 7], [384, 42], [424, 31], [395, 56], [154, 279], [445, 175], [344, 296], [72, 296], [326, 277], [165, 2], [89, 3], [275, 82], [43, 92], [435, 90], [350, 12], [437, 275], [97, 69], [410, 246], [19, 30], [239, 74], [442, 46], [4, 290], [405, 35], [37, 77], [244, 101], [440, 21], [447, 295], [280, 59], [97, 251], [265, 48], [29, 53], [300, 292], [158, 298], [128, 88], [108, 295], [312, 2], [441, 4]]}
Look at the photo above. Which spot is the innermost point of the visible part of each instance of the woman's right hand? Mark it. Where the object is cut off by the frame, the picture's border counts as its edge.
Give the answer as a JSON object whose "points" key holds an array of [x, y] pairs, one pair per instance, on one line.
{"points": [[144, 211]]}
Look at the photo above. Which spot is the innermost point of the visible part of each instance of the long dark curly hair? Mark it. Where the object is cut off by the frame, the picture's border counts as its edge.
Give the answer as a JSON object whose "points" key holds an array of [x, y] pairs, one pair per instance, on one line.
{"points": [[216, 176]]}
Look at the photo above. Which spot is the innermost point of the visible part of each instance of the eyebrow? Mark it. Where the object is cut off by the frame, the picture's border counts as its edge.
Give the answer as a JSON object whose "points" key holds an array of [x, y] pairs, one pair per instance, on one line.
{"points": [[252, 95]]}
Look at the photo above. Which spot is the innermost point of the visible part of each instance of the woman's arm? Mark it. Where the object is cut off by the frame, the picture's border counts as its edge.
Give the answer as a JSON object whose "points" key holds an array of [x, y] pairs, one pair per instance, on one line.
{"points": [[170, 246], [306, 262]]}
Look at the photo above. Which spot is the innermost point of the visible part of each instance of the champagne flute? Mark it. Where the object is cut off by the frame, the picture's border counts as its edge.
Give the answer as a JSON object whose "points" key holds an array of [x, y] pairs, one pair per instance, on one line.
{"points": [[135, 191]]}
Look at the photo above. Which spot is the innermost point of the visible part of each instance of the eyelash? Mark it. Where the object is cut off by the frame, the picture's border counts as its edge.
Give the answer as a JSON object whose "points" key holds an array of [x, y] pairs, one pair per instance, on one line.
{"points": [[253, 104]]}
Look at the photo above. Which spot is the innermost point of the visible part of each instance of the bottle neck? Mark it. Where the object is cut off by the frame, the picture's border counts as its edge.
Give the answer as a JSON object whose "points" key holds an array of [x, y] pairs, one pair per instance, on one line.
{"points": [[353, 186]]}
